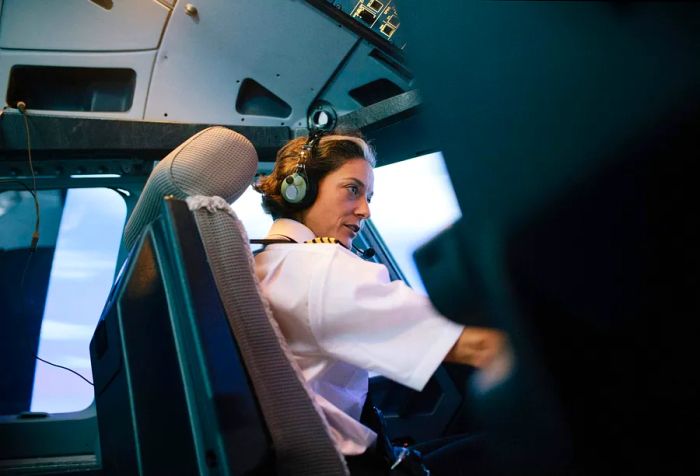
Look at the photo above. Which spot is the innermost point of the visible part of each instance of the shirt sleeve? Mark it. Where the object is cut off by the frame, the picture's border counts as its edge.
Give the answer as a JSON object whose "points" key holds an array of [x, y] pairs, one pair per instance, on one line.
{"points": [[359, 316]]}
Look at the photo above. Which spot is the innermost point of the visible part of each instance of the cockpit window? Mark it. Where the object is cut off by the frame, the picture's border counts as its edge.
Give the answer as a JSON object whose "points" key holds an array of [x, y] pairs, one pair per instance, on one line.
{"points": [[413, 200], [250, 212], [52, 297]]}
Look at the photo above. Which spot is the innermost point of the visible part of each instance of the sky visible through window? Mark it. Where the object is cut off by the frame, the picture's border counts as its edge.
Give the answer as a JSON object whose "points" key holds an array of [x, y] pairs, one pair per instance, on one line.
{"points": [[81, 277], [413, 201], [250, 212]]}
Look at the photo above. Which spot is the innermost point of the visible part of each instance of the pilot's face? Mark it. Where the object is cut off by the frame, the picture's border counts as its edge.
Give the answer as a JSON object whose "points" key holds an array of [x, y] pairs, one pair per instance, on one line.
{"points": [[342, 203]]}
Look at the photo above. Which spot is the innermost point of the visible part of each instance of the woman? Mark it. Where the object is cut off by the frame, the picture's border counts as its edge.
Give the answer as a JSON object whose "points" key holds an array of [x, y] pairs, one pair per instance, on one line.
{"points": [[340, 314]]}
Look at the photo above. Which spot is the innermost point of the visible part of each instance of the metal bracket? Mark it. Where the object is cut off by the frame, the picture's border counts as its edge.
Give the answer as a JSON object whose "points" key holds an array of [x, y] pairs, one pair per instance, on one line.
{"points": [[383, 113]]}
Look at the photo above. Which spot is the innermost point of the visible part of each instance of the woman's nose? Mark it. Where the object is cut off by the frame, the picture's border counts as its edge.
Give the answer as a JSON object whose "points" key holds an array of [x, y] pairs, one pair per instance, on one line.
{"points": [[362, 209]]}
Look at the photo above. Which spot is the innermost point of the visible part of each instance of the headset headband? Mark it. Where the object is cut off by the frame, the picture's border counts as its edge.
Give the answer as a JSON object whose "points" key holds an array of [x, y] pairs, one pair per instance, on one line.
{"points": [[307, 150]]}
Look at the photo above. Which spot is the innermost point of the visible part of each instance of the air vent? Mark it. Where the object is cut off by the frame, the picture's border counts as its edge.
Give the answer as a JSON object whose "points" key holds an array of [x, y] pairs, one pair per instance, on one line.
{"points": [[55, 88], [375, 91], [255, 99]]}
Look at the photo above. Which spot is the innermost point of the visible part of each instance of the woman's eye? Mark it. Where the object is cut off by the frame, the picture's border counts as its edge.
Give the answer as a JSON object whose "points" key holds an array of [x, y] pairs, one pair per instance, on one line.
{"points": [[354, 189]]}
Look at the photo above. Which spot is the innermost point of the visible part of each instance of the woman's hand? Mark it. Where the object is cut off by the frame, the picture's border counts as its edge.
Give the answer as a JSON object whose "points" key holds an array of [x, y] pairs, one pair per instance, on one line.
{"points": [[479, 347]]}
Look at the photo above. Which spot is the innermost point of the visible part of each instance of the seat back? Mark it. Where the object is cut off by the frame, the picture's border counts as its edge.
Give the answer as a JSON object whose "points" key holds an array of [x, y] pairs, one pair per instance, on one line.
{"points": [[214, 162]]}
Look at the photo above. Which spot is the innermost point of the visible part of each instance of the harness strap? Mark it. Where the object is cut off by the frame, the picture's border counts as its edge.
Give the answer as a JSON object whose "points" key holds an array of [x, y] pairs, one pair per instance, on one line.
{"points": [[270, 241]]}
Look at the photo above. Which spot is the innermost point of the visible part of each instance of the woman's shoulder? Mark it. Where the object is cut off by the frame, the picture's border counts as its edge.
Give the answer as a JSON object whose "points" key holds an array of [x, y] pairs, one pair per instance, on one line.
{"points": [[300, 257]]}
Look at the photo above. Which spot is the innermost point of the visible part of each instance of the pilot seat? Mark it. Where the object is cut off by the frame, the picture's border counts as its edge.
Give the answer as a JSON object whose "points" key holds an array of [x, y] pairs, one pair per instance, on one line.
{"points": [[192, 374]]}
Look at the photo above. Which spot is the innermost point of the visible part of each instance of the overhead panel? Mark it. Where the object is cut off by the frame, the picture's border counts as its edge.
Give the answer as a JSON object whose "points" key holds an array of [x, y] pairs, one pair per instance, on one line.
{"points": [[82, 25], [215, 59]]}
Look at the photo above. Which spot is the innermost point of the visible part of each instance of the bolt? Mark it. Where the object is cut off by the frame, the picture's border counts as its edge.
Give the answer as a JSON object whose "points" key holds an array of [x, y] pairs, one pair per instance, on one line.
{"points": [[191, 10]]}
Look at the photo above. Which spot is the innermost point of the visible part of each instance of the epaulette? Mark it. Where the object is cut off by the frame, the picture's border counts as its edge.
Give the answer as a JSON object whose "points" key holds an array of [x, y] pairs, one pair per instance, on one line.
{"points": [[324, 239]]}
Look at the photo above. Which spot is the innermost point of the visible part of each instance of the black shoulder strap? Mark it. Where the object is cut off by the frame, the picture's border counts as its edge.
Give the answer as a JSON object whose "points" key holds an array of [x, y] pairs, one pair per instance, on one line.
{"points": [[270, 241]]}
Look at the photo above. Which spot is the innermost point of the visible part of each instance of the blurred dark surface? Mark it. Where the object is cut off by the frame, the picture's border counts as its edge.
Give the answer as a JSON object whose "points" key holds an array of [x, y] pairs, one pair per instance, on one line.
{"points": [[570, 132]]}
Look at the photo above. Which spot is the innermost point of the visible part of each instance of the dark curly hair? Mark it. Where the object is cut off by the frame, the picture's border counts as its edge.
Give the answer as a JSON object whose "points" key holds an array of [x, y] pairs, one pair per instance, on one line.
{"points": [[331, 152]]}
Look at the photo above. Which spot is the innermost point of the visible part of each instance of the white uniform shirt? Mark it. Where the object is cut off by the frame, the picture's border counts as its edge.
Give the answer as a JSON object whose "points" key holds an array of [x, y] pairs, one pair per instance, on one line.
{"points": [[342, 316]]}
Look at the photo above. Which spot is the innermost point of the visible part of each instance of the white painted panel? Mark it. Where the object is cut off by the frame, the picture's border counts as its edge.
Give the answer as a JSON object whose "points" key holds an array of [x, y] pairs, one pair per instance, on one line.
{"points": [[286, 45], [140, 61], [358, 71], [80, 25]]}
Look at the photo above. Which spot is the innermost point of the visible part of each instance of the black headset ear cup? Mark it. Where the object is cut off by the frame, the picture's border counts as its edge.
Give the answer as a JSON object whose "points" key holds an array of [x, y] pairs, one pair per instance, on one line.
{"points": [[310, 196], [294, 188]]}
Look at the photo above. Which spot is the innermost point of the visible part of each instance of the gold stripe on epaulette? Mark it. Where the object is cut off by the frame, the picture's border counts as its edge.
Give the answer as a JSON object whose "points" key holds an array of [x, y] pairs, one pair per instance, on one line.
{"points": [[324, 240]]}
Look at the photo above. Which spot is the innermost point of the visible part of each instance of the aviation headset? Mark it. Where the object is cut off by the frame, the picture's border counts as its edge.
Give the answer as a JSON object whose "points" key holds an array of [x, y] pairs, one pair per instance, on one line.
{"points": [[297, 189]]}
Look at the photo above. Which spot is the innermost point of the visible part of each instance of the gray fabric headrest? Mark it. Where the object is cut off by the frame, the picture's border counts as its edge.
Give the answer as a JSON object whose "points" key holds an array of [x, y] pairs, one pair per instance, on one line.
{"points": [[216, 161]]}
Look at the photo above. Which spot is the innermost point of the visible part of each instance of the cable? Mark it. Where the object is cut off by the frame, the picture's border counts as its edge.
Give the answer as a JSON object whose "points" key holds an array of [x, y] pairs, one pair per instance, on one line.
{"points": [[22, 107], [34, 196], [36, 226], [64, 368]]}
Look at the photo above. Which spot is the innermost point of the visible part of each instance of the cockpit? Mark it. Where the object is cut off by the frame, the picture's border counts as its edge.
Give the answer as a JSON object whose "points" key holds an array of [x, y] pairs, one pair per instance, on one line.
{"points": [[532, 174]]}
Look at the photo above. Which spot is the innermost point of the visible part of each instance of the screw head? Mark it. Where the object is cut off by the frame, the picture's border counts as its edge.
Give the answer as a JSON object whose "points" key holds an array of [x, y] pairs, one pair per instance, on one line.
{"points": [[191, 10]]}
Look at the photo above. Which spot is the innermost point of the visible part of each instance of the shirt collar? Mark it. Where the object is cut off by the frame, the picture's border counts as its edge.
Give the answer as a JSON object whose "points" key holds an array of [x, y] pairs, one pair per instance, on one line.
{"points": [[287, 228]]}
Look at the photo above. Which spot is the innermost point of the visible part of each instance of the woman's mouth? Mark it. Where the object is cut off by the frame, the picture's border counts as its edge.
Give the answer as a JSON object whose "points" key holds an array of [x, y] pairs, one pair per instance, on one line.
{"points": [[354, 228]]}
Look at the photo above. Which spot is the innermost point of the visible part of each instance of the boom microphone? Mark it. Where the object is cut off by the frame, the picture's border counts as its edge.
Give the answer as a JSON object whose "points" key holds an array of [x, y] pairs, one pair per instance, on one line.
{"points": [[366, 253]]}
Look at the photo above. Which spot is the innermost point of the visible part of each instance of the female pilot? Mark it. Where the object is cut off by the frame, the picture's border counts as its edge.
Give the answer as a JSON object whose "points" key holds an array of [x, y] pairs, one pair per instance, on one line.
{"points": [[340, 314]]}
